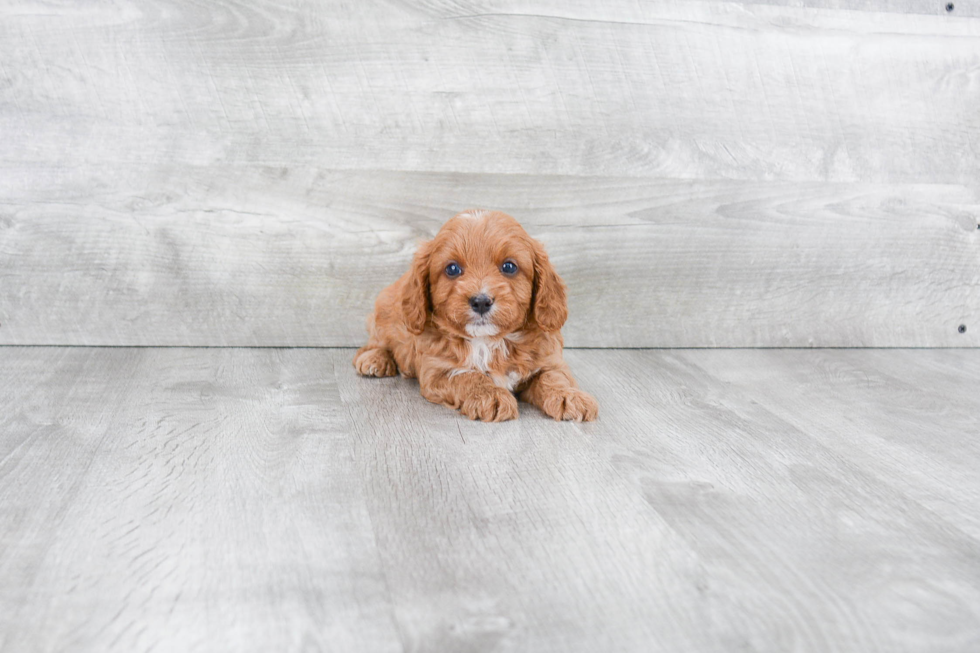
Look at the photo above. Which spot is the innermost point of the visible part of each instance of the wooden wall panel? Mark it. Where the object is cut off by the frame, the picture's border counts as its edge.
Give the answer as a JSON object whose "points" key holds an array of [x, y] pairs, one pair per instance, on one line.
{"points": [[296, 256], [969, 8], [676, 89], [706, 173]]}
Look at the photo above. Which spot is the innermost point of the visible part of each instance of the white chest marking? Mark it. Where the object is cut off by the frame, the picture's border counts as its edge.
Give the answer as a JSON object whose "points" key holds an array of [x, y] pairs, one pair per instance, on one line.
{"points": [[482, 352], [481, 330]]}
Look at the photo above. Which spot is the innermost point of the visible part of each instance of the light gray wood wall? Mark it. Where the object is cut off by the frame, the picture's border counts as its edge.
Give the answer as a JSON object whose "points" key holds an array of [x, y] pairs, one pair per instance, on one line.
{"points": [[704, 173]]}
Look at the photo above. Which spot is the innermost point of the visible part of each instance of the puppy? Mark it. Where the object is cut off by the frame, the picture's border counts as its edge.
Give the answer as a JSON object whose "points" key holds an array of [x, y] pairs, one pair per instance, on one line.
{"points": [[477, 319]]}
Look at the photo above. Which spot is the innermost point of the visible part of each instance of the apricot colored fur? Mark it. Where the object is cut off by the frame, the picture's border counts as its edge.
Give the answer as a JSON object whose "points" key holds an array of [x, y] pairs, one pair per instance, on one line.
{"points": [[424, 327]]}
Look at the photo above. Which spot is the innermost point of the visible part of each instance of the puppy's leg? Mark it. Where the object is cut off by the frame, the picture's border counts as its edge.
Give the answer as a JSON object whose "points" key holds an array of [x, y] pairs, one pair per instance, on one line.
{"points": [[374, 360], [555, 392], [473, 393]]}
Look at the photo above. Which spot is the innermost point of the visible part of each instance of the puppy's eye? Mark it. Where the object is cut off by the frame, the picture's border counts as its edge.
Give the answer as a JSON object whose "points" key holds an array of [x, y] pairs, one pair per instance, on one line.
{"points": [[509, 268], [453, 270]]}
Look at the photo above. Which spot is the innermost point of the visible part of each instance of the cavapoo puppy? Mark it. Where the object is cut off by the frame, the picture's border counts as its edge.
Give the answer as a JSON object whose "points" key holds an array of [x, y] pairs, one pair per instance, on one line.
{"points": [[477, 319]]}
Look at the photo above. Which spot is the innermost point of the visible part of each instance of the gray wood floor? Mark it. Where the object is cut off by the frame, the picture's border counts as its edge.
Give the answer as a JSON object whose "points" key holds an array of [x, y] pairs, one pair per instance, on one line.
{"points": [[264, 499]]}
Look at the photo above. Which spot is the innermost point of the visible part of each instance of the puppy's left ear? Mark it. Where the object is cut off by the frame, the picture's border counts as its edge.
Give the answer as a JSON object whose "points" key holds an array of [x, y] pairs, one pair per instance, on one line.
{"points": [[417, 304], [549, 303]]}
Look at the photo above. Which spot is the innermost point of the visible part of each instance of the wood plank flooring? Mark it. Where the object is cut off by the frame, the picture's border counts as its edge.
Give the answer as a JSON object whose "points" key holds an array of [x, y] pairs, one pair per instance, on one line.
{"points": [[267, 499]]}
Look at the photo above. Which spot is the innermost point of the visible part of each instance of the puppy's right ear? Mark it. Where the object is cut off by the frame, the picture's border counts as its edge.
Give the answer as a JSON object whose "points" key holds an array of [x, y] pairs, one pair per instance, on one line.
{"points": [[417, 304], [549, 303]]}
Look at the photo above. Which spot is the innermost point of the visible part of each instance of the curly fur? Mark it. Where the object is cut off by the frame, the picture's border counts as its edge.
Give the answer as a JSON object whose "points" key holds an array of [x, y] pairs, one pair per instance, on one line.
{"points": [[424, 327]]}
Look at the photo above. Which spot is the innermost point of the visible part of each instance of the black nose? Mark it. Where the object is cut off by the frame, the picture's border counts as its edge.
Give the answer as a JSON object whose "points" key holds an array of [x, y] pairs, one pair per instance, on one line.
{"points": [[481, 304]]}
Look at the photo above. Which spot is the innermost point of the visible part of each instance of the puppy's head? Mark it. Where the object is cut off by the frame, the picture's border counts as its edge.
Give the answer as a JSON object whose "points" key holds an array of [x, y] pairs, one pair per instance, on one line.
{"points": [[482, 275]]}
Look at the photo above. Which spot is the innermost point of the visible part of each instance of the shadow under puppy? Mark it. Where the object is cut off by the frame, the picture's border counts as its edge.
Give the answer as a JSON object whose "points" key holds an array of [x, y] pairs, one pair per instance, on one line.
{"points": [[477, 319]]}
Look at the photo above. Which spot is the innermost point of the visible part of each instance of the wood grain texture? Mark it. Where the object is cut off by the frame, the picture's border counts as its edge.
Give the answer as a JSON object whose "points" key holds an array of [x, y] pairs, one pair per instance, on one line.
{"points": [[673, 89], [182, 500], [705, 173], [930, 453], [256, 500], [930, 7], [296, 256], [692, 516]]}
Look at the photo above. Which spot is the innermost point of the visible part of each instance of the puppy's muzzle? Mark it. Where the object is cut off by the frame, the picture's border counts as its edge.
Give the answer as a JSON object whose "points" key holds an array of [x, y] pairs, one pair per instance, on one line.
{"points": [[481, 304]]}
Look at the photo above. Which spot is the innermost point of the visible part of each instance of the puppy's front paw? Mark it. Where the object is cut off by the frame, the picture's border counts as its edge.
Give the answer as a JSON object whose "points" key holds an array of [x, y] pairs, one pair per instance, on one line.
{"points": [[490, 405], [375, 362], [571, 404]]}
